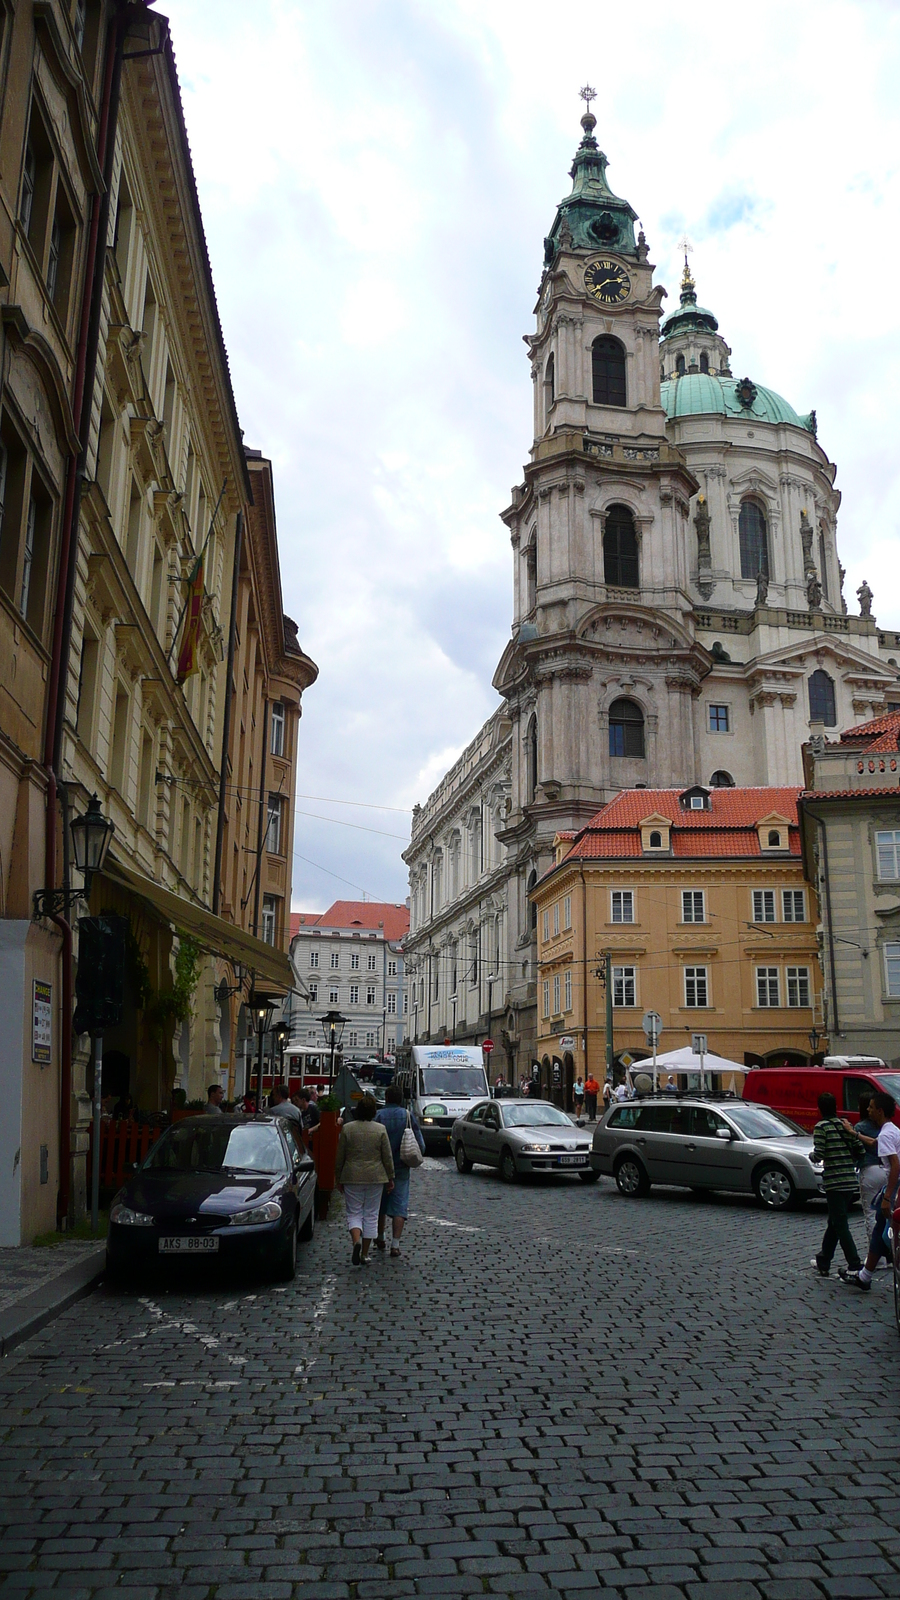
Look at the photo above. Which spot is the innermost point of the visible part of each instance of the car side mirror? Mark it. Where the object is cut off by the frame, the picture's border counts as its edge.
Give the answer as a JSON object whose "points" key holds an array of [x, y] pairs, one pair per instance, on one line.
{"points": [[725, 1134]]}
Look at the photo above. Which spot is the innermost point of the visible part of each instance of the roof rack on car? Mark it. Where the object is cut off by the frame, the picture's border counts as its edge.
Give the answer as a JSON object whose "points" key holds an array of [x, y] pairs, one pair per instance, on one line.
{"points": [[684, 1094]]}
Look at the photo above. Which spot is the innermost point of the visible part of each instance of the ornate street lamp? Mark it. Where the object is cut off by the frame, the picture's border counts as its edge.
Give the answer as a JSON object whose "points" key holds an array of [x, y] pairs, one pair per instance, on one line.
{"points": [[333, 1025], [262, 1010], [282, 1034], [814, 1039], [91, 835]]}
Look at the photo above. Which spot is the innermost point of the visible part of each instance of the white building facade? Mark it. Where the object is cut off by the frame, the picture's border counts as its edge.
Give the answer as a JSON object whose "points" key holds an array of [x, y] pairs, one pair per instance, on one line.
{"points": [[678, 608], [350, 959]]}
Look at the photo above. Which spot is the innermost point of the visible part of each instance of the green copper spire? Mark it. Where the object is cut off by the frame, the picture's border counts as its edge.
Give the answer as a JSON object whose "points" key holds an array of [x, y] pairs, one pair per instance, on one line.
{"points": [[689, 315], [591, 217]]}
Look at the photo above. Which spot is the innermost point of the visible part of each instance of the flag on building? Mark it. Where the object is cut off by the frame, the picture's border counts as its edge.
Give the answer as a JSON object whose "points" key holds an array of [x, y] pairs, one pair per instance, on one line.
{"points": [[187, 656]]}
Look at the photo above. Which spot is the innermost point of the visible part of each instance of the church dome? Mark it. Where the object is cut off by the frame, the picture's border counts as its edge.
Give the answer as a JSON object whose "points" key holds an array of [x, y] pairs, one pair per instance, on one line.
{"points": [[696, 394]]}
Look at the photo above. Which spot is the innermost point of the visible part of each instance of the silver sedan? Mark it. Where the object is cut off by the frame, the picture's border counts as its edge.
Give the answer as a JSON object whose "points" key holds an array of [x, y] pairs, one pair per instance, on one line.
{"points": [[520, 1137]]}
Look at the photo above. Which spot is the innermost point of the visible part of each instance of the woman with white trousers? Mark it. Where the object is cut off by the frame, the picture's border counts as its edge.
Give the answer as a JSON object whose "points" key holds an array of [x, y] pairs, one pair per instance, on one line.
{"points": [[364, 1166]]}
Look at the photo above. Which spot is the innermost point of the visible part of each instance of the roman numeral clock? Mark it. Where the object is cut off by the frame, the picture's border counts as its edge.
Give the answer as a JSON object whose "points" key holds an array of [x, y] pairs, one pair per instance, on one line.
{"points": [[607, 281]]}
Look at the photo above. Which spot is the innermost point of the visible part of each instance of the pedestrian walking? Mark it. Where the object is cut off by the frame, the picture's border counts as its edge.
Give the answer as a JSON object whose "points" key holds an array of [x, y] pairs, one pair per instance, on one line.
{"points": [[871, 1172], [607, 1095], [214, 1097], [280, 1104], [881, 1111], [363, 1166], [836, 1145], [591, 1091], [395, 1203], [309, 1111], [578, 1096]]}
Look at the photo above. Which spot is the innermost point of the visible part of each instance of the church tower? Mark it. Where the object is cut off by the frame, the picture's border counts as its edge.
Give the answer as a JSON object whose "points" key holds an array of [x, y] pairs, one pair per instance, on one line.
{"points": [[603, 667]]}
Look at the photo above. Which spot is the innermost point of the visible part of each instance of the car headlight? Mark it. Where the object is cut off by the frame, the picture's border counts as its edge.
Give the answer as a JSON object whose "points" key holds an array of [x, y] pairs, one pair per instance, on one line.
{"points": [[536, 1149], [130, 1219], [270, 1212], [428, 1119]]}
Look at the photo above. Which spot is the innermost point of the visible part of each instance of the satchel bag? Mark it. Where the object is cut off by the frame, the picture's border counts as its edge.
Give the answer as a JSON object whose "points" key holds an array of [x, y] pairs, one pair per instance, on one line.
{"points": [[410, 1154]]}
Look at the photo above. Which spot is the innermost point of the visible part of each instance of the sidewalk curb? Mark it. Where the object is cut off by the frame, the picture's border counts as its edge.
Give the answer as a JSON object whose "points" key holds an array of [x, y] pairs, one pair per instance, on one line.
{"points": [[28, 1315]]}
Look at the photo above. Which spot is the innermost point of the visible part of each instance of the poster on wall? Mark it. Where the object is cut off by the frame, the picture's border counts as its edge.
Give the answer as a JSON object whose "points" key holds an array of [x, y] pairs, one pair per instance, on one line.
{"points": [[42, 1022]]}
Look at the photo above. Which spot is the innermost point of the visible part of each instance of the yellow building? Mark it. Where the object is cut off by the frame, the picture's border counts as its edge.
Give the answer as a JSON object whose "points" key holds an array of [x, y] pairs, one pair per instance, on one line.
{"points": [[700, 900]]}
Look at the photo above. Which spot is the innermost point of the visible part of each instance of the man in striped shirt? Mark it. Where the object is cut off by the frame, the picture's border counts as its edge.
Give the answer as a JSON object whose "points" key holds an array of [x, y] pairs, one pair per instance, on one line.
{"points": [[838, 1147]]}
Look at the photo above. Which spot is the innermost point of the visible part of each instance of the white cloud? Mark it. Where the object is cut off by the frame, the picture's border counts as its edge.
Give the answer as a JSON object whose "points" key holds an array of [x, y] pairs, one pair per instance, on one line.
{"points": [[377, 179]]}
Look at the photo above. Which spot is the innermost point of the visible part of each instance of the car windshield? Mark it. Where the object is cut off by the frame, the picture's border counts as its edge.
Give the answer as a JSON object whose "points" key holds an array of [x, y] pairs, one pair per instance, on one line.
{"points": [[889, 1081], [534, 1116], [462, 1082], [757, 1122], [210, 1146]]}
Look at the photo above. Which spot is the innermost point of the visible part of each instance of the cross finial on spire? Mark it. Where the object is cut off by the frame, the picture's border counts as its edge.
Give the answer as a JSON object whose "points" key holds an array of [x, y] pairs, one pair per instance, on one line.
{"points": [[588, 94]]}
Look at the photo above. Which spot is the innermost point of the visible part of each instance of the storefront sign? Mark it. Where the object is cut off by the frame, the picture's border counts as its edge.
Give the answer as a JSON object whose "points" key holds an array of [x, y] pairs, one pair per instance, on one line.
{"points": [[42, 1022]]}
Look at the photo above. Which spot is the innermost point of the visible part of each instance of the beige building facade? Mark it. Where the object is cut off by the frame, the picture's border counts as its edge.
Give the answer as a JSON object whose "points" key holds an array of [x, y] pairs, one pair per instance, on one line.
{"points": [[700, 900]]}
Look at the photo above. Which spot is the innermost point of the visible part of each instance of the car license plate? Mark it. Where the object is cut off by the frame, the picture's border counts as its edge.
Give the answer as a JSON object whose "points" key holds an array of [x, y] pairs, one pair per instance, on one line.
{"points": [[571, 1161], [190, 1244]]}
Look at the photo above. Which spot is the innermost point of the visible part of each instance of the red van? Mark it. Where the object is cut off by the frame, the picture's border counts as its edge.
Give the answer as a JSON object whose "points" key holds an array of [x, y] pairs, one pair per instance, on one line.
{"points": [[795, 1090]]}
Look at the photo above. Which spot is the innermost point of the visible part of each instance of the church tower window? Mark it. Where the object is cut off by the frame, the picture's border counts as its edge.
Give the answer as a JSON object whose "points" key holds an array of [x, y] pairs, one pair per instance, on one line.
{"points": [[626, 729], [620, 549], [608, 372], [753, 540], [704, 361], [721, 779], [679, 365], [822, 706], [550, 379], [531, 758]]}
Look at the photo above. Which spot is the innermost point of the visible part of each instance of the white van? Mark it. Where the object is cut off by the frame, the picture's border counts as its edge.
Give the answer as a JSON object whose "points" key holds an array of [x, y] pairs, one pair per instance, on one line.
{"points": [[440, 1082]]}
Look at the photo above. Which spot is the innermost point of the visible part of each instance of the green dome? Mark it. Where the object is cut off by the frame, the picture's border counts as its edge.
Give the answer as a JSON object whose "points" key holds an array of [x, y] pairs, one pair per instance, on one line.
{"points": [[697, 394]]}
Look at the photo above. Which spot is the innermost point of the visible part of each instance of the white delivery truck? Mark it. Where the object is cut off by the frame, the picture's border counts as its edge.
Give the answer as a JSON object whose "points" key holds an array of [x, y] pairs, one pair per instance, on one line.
{"points": [[440, 1082]]}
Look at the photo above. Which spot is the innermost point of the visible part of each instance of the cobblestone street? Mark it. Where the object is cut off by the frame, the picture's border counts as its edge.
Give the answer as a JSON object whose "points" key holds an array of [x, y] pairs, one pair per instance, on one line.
{"points": [[554, 1391]]}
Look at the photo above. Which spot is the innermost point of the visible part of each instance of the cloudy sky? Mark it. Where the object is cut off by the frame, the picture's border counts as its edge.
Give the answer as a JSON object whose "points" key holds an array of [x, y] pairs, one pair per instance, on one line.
{"points": [[377, 178]]}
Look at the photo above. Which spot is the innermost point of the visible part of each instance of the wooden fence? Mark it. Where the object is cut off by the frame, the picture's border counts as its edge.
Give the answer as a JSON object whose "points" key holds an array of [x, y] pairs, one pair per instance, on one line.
{"points": [[122, 1143]]}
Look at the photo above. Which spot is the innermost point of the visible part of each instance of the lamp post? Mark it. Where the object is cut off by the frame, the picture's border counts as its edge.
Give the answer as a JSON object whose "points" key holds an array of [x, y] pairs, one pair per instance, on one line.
{"points": [[262, 1009], [814, 1037], [333, 1025], [91, 836]]}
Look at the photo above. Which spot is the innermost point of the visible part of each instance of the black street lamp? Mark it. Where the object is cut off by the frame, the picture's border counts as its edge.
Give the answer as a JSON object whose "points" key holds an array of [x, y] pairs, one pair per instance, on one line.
{"points": [[814, 1037], [333, 1025], [262, 1010], [282, 1034], [91, 835]]}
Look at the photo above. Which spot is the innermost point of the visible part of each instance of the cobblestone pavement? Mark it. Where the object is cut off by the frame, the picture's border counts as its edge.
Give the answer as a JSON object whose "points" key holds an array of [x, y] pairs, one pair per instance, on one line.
{"points": [[25, 1269], [423, 1427]]}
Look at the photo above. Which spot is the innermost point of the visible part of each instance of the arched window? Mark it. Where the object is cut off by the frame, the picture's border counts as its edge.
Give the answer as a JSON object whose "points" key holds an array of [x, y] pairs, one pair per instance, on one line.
{"points": [[721, 780], [821, 699], [704, 361], [679, 364], [531, 760], [626, 729], [774, 838], [655, 840], [532, 884], [608, 372], [753, 540], [620, 549], [550, 379]]}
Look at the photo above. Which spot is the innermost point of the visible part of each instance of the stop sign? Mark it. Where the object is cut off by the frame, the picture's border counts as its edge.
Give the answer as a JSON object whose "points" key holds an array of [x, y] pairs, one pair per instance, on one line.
{"points": [[487, 1046]]}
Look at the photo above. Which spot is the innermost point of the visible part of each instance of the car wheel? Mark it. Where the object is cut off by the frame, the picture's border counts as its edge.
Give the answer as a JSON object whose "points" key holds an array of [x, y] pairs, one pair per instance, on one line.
{"points": [[508, 1170], [286, 1265], [307, 1228], [631, 1178], [589, 1177], [463, 1164], [774, 1188]]}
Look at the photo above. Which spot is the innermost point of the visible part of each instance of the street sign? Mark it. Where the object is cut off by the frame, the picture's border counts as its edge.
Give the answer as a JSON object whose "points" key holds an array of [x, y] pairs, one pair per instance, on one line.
{"points": [[566, 1041], [698, 1044], [626, 1059], [652, 1025], [487, 1046]]}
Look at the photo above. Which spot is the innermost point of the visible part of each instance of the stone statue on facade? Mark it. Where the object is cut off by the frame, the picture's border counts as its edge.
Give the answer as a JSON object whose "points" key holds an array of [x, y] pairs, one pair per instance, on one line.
{"points": [[865, 597], [843, 573], [806, 537], [701, 524], [813, 592], [762, 587]]}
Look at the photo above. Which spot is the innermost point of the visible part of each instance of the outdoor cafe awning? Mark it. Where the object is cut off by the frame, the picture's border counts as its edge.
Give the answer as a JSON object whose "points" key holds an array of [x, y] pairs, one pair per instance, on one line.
{"points": [[271, 967]]}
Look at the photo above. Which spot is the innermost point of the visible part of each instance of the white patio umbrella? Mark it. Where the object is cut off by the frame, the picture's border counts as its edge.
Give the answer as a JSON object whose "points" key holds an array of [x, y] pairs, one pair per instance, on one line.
{"points": [[685, 1060]]}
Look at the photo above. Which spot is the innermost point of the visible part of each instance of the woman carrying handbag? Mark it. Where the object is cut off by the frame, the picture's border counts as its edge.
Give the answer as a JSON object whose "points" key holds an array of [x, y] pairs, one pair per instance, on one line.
{"points": [[408, 1150]]}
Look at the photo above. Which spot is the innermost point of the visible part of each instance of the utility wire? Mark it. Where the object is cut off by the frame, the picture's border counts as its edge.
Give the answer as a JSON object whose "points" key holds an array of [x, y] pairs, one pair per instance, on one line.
{"points": [[361, 828]]}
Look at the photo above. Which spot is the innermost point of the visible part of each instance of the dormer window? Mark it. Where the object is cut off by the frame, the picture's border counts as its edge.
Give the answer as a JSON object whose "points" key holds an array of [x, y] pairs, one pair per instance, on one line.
{"points": [[774, 839], [655, 841], [655, 831], [696, 798], [773, 832], [696, 802]]}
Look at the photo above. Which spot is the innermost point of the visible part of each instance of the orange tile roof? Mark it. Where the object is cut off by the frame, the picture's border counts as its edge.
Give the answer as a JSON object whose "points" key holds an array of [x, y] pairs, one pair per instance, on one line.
{"points": [[373, 916], [881, 733], [728, 829]]}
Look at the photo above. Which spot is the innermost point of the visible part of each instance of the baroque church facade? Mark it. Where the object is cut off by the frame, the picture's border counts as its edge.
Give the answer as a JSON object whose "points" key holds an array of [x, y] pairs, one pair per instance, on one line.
{"points": [[678, 610]]}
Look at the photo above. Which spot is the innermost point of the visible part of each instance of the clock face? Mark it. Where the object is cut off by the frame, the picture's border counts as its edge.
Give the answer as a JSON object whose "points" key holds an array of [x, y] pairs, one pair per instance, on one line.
{"points": [[607, 282]]}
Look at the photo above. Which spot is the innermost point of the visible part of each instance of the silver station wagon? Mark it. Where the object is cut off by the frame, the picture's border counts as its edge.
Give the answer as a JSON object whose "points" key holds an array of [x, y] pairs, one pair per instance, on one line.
{"points": [[707, 1143], [521, 1137]]}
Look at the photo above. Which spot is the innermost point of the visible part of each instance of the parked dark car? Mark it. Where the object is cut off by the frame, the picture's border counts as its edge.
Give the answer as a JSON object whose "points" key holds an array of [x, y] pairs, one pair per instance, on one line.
{"points": [[238, 1190]]}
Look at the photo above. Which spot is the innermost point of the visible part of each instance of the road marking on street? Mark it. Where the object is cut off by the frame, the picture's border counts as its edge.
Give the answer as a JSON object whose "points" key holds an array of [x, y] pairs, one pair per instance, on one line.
{"points": [[443, 1222], [306, 1363], [183, 1326], [192, 1383]]}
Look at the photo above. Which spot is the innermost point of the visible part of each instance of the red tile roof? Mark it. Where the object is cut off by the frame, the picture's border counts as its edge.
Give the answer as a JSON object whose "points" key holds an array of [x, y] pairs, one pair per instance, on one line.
{"points": [[728, 829], [881, 733], [371, 916]]}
